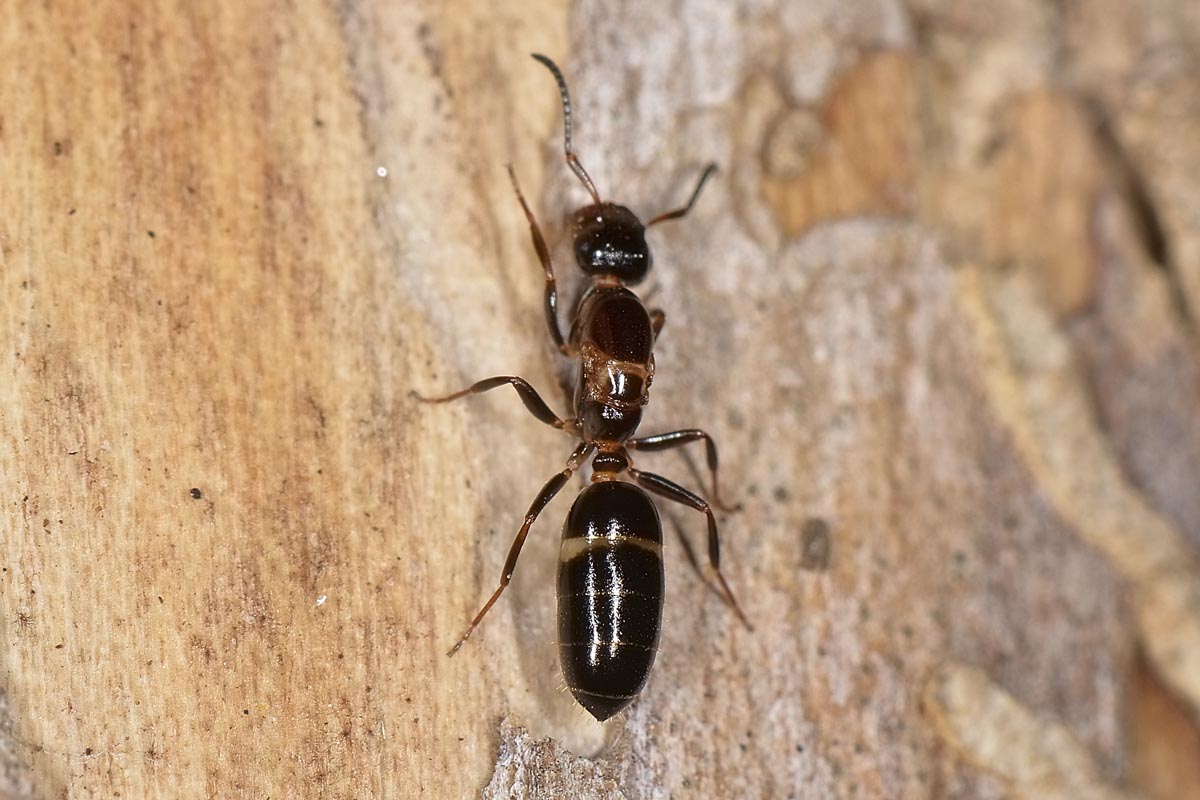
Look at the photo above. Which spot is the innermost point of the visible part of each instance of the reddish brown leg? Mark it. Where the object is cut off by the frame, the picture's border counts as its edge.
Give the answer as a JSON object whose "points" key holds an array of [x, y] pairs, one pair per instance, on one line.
{"points": [[657, 318], [673, 491], [666, 441], [529, 396], [543, 254], [547, 493]]}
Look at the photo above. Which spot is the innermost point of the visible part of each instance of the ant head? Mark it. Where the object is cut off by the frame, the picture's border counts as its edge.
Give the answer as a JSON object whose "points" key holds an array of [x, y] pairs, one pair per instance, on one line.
{"points": [[611, 240]]}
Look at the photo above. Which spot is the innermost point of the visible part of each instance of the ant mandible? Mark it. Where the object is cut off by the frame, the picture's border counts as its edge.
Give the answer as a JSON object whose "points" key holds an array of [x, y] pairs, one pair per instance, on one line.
{"points": [[610, 572]]}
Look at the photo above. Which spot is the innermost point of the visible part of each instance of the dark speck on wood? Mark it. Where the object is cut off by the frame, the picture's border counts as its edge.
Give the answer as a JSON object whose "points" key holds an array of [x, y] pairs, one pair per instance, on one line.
{"points": [[816, 545]]}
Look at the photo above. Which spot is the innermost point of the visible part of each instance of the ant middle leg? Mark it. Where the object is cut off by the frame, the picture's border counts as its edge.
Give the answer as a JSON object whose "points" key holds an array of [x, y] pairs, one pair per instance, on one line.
{"points": [[666, 441], [672, 491], [543, 254], [529, 396], [547, 493]]}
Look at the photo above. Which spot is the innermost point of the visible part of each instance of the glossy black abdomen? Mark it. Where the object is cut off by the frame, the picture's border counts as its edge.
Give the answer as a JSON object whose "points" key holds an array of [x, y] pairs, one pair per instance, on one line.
{"points": [[610, 595]]}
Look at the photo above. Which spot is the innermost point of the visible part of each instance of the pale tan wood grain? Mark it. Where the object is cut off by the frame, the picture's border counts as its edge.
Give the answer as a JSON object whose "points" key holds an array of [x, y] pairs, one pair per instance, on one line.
{"points": [[201, 291], [923, 310]]}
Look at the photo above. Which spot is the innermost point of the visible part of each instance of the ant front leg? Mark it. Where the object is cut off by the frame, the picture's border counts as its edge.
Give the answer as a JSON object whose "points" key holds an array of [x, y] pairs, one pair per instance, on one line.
{"points": [[529, 396], [666, 441], [672, 491], [547, 493], [543, 254], [657, 318]]}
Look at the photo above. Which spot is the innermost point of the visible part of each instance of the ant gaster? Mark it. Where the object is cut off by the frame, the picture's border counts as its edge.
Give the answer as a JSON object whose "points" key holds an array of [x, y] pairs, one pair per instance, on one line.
{"points": [[610, 572]]}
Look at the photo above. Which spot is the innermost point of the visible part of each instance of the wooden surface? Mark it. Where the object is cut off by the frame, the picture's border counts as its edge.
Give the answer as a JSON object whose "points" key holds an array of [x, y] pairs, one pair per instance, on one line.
{"points": [[939, 311]]}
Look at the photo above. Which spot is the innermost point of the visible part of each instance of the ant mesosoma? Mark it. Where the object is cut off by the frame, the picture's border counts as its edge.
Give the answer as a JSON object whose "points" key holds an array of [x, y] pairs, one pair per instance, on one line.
{"points": [[610, 573]]}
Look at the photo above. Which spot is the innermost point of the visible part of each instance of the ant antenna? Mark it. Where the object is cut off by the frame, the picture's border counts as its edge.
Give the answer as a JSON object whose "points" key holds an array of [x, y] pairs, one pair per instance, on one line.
{"points": [[572, 160], [679, 212]]}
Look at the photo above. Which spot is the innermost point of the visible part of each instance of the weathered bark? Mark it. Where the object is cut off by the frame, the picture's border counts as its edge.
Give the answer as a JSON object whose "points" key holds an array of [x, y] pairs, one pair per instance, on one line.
{"points": [[939, 311]]}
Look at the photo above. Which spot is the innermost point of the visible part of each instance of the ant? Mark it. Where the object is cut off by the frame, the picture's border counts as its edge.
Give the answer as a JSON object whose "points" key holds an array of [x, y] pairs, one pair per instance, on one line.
{"points": [[610, 571]]}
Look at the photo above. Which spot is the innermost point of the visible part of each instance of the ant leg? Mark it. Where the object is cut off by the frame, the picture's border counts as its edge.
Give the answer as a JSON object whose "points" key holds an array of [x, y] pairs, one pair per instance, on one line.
{"points": [[547, 493], [529, 396], [680, 212], [543, 254], [657, 318], [673, 491], [689, 553], [666, 441]]}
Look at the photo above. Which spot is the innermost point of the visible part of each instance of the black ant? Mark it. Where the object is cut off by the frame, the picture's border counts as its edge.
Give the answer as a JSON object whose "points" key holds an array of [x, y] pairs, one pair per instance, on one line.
{"points": [[610, 573]]}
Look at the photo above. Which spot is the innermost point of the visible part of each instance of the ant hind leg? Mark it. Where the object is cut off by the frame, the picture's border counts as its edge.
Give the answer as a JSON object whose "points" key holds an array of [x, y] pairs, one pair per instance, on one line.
{"points": [[672, 491], [667, 441], [547, 494]]}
